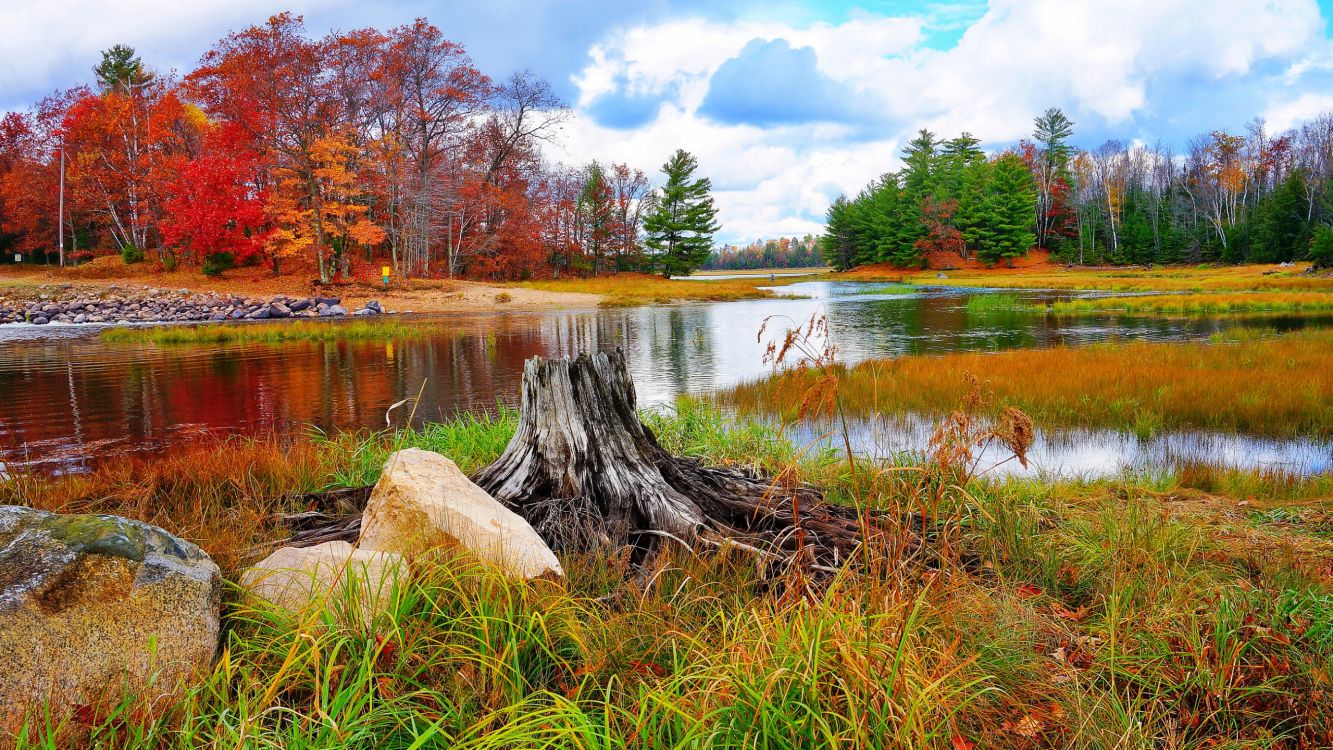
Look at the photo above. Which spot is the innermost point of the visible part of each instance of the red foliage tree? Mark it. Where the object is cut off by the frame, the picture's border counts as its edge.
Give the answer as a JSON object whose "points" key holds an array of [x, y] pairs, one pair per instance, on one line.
{"points": [[215, 207]]}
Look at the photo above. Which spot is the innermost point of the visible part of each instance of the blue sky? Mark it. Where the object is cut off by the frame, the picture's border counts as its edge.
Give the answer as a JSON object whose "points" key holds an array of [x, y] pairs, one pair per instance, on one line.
{"points": [[786, 104]]}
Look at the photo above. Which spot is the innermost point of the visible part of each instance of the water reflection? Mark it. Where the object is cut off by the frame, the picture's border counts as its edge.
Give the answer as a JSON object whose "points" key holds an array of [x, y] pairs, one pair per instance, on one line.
{"points": [[1078, 453], [70, 400]]}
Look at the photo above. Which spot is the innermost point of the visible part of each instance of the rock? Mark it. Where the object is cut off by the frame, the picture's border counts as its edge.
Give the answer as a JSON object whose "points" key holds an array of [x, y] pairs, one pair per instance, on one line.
{"points": [[375, 305], [330, 301], [333, 311], [423, 501], [40, 320], [93, 605], [279, 310], [299, 305], [941, 275], [260, 314], [295, 577], [81, 318], [365, 311]]}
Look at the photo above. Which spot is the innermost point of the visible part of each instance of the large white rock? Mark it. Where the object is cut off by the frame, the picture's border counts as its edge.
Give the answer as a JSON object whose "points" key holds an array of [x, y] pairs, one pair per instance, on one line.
{"points": [[93, 606], [423, 501], [328, 575]]}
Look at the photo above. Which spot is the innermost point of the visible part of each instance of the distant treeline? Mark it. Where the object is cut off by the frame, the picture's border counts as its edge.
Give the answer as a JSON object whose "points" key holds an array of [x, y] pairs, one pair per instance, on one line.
{"points": [[1252, 198], [785, 252]]}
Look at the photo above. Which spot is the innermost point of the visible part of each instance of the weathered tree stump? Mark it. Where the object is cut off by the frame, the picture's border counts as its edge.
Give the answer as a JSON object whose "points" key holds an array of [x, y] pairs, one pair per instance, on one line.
{"points": [[585, 471], [582, 467]]}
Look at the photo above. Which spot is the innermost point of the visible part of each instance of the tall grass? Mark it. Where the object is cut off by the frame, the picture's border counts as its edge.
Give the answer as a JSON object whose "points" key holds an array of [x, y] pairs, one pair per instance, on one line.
{"points": [[1279, 386], [273, 333], [1078, 614]]}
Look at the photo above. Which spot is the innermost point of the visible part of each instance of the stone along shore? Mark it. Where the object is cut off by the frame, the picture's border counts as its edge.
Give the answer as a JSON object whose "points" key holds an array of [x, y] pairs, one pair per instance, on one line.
{"points": [[153, 305]]}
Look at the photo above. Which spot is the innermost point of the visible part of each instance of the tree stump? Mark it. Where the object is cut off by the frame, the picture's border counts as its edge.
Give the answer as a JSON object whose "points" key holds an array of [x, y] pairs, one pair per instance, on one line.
{"points": [[584, 471], [582, 468]]}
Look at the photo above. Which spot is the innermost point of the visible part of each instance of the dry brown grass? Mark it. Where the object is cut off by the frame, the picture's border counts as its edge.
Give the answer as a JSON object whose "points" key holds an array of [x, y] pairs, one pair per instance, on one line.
{"points": [[1164, 279], [627, 289], [1205, 303]]}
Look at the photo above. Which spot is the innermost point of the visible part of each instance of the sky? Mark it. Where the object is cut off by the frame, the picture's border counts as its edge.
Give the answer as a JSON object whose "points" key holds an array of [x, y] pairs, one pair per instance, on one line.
{"points": [[786, 103]]}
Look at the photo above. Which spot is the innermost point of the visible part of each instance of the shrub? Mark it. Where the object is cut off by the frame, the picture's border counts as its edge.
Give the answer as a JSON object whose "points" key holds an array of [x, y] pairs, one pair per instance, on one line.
{"points": [[131, 254], [216, 263]]}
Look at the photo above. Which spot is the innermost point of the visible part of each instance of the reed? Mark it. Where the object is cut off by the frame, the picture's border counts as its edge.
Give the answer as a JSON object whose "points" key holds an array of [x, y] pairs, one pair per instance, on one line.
{"points": [[269, 333], [1278, 386], [1116, 613]]}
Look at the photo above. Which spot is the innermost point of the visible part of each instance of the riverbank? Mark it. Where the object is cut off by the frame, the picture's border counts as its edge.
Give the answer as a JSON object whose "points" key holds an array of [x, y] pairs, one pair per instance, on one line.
{"points": [[1044, 275], [1072, 614], [425, 296], [109, 276]]}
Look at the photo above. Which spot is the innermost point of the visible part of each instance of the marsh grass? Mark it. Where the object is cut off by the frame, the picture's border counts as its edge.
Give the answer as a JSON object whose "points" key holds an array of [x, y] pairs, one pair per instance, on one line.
{"points": [[1277, 386], [1198, 304], [1114, 613], [271, 333], [994, 302], [630, 289], [1160, 279]]}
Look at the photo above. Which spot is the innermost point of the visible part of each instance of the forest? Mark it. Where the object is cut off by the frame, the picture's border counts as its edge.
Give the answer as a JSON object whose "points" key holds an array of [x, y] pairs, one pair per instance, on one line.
{"points": [[784, 252], [1250, 198], [338, 154]]}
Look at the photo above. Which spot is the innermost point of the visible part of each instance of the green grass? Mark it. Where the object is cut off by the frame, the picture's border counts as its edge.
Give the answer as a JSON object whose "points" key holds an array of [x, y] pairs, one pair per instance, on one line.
{"points": [[993, 302], [1083, 614], [241, 333]]}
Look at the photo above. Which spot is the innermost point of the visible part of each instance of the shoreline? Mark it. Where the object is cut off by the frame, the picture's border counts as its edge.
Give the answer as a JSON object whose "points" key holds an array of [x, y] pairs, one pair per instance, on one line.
{"points": [[431, 297]]}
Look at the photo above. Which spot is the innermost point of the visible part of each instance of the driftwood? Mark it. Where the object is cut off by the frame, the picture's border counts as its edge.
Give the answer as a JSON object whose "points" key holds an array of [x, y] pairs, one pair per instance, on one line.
{"points": [[585, 471]]}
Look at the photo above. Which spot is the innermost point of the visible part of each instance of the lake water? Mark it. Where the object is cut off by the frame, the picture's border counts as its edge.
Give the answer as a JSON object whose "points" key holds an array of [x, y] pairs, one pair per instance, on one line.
{"points": [[68, 400]]}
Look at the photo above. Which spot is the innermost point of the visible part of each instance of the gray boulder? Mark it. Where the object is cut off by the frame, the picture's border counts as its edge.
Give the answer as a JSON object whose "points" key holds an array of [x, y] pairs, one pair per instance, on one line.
{"points": [[91, 606], [333, 311]]}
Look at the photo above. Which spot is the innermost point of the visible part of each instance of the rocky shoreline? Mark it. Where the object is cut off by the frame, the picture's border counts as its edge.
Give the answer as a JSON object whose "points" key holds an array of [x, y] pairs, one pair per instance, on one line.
{"points": [[154, 305]]}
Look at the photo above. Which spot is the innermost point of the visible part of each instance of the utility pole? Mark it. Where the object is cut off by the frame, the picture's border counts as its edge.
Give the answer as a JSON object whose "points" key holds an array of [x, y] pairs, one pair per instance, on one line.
{"points": [[60, 229]]}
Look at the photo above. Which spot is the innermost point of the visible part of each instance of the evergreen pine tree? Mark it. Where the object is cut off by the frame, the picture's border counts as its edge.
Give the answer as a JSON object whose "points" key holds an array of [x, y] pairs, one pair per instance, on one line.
{"points": [[838, 243], [1006, 230], [681, 225], [121, 70]]}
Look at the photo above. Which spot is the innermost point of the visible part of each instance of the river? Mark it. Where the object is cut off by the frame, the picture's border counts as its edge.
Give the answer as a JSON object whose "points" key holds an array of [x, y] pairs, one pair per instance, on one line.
{"points": [[69, 400]]}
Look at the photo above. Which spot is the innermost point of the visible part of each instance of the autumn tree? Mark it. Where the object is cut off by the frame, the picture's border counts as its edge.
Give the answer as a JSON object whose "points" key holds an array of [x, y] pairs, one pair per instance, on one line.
{"points": [[214, 212], [120, 145]]}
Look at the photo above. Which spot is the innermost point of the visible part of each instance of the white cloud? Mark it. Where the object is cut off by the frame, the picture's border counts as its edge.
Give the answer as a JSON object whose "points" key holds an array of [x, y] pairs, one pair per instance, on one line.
{"points": [[44, 41], [1097, 60], [1293, 112]]}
